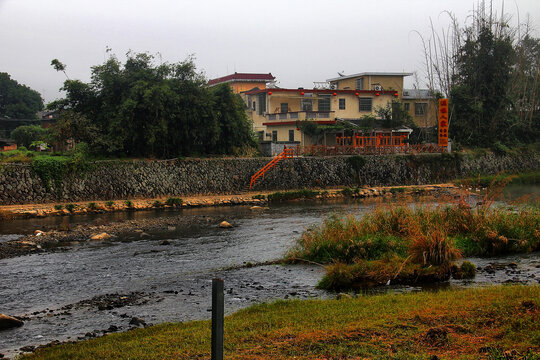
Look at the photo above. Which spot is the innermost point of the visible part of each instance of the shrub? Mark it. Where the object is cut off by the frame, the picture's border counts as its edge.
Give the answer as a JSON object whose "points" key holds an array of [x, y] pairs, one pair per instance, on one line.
{"points": [[58, 207], [70, 207], [109, 203], [128, 203], [292, 195], [259, 197], [434, 248], [347, 192], [92, 206], [174, 201], [157, 203], [338, 276]]}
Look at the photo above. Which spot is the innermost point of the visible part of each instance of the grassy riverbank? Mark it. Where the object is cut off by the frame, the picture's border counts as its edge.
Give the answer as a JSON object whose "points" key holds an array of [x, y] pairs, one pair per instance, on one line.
{"points": [[414, 245], [465, 324], [527, 178]]}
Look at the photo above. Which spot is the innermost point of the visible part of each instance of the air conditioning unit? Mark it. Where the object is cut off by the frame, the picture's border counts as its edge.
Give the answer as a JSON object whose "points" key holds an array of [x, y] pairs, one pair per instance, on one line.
{"points": [[377, 87]]}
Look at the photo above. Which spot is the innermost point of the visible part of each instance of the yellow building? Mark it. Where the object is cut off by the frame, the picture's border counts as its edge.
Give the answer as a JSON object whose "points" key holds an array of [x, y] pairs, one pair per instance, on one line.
{"points": [[241, 82], [421, 105], [276, 113]]}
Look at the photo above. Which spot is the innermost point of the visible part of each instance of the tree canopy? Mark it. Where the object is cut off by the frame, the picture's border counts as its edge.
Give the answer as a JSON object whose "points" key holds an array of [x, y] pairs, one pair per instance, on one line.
{"points": [[142, 109], [490, 71], [18, 101]]}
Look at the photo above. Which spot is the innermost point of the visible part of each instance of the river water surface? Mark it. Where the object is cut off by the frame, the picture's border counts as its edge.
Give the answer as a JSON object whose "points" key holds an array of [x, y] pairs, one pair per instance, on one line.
{"points": [[94, 287]]}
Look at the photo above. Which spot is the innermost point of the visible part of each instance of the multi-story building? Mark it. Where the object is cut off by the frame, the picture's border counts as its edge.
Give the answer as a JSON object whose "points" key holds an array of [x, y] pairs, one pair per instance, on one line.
{"points": [[277, 113]]}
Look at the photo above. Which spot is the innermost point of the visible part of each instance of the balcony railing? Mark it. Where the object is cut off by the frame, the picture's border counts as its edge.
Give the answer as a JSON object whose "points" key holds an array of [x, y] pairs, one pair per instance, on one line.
{"points": [[301, 115]]}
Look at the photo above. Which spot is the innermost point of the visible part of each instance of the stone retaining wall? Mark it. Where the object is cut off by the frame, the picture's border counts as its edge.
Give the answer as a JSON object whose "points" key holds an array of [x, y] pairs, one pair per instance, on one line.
{"points": [[145, 178]]}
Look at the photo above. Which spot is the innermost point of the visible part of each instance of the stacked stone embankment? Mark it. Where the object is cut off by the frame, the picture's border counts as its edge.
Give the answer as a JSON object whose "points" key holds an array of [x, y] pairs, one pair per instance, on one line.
{"points": [[19, 184]]}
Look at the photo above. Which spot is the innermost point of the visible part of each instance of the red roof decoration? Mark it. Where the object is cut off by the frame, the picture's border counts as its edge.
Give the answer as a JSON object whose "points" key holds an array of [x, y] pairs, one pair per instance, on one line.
{"points": [[242, 77]]}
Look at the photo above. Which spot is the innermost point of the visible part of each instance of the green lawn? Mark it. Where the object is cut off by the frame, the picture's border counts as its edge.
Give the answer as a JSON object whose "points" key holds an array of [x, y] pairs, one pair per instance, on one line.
{"points": [[452, 324]]}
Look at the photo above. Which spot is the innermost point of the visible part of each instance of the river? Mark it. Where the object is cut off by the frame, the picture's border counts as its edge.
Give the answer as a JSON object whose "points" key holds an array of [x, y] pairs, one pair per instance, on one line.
{"points": [[97, 287]]}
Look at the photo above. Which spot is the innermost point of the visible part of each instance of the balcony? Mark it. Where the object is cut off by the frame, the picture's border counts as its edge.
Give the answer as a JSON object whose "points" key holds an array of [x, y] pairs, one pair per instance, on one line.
{"points": [[300, 116]]}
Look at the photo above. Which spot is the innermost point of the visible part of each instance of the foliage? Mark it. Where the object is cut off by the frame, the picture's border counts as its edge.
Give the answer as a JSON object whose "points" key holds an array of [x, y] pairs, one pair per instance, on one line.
{"points": [[143, 109], [489, 70], [16, 156], [259, 197], [70, 207], [128, 203], [109, 203], [474, 322], [174, 201], [292, 195], [58, 207], [356, 162], [157, 204], [18, 101], [92, 205], [51, 170], [27, 134]]}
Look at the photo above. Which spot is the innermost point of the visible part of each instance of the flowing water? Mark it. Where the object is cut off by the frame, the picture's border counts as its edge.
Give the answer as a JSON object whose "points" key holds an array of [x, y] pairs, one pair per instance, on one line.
{"points": [[97, 287]]}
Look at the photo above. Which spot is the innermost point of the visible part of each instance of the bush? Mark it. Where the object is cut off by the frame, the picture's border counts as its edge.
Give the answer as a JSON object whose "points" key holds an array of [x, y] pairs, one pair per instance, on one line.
{"points": [[259, 197], [70, 207], [128, 203], [109, 203], [467, 270], [25, 135], [174, 201], [157, 204], [58, 207], [92, 206], [347, 192], [338, 276], [292, 195]]}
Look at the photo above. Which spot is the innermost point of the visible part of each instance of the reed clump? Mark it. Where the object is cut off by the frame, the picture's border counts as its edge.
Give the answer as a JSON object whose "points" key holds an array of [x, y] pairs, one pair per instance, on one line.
{"points": [[408, 241]]}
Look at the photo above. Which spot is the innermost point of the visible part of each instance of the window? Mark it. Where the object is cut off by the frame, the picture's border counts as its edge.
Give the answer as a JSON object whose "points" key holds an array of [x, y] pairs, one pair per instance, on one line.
{"points": [[262, 104], [324, 102], [406, 106], [420, 109], [341, 104], [274, 135], [291, 135], [360, 84], [284, 107], [254, 106], [307, 105], [365, 104], [261, 135]]}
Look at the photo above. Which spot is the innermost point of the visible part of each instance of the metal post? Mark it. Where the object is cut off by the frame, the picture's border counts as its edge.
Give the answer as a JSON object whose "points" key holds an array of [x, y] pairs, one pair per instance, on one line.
{"points": [[217, 319]]}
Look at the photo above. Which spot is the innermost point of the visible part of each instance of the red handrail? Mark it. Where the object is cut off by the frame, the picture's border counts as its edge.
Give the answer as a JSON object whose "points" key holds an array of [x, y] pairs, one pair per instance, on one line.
{"points": [[286, 154]]}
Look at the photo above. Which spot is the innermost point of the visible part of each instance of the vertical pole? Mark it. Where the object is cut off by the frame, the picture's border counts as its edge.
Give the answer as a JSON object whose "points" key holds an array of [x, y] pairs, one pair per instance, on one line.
{"points": [[217, 319]]}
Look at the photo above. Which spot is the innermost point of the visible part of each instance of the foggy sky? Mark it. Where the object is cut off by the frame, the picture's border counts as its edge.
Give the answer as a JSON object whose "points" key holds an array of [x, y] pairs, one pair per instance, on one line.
{"points": [[297, 41]]}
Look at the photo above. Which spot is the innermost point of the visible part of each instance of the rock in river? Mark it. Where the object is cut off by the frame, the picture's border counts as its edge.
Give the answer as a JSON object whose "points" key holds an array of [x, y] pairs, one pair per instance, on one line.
{"points": [[225, 225], [102, 236], [8, 322]]}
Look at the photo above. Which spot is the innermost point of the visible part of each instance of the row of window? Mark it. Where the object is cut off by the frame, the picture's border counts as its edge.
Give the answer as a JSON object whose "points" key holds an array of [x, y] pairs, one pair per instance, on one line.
{"points": [[274, 135], [364, 104]]}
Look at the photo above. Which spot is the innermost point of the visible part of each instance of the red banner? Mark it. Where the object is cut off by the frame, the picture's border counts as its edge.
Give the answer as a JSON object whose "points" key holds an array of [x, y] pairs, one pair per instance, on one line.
{"points": [[443, 122]]}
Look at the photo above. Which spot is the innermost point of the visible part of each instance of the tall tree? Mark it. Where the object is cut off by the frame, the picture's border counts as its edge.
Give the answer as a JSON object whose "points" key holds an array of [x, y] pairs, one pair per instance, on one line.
{"points": [[18, 101], [143, 109]]}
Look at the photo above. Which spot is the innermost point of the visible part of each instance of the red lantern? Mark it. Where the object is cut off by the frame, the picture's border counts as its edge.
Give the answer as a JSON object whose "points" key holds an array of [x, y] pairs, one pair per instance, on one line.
{"points": [[356, 94], [269, 93], [334, 94], [396, 94], [297, 129], [302, 93], [377, 94]]}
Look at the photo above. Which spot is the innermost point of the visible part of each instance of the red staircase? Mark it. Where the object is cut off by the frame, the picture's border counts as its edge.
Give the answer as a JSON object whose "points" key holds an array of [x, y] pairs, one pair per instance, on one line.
{"points": [[286, 154]]}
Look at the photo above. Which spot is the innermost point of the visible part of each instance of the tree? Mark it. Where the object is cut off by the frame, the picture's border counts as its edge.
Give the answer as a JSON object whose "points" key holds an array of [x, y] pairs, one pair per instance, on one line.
{"points": [[143, 109], [18, 101], [27, 134], [58, 66]]}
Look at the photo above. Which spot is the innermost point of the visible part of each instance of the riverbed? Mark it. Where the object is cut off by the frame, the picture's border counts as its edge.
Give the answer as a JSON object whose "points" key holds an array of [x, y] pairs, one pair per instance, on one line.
{"points": [[93, 288]]}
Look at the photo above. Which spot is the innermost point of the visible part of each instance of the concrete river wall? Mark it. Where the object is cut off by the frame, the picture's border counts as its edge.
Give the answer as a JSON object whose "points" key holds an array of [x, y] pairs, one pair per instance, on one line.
{"points": [[105, 180]]}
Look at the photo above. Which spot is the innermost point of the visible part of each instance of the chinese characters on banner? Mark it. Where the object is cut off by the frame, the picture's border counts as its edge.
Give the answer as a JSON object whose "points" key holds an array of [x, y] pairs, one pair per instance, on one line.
{"points": [[443, 122]]}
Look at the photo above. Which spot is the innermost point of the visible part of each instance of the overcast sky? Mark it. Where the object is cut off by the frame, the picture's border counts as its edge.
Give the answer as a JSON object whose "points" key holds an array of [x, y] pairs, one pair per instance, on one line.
{"points": [[297, 41]]}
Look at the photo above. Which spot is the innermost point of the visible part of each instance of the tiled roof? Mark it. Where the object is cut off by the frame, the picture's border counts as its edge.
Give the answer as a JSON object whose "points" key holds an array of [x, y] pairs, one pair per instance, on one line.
{"points": [[370, 74], [242, 77]]}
